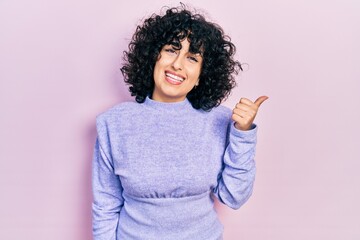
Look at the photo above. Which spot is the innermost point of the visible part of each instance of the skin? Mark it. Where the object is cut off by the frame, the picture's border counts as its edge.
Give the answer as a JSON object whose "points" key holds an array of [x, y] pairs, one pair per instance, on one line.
{"points": [[188, 65], [245, 112], [180, 62]]}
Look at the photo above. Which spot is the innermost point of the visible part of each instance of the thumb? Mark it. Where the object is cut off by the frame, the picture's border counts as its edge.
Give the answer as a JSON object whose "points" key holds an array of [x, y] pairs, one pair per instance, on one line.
{"points": [[260, 100]]}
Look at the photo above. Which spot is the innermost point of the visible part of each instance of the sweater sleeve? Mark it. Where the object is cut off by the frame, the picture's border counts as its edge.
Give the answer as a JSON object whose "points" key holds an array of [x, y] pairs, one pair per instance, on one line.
{"points": [[235, 183], [107, 191]]}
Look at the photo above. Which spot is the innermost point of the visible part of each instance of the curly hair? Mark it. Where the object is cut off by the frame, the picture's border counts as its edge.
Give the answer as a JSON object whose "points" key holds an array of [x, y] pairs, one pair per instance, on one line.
{"points": [[216, 78]]}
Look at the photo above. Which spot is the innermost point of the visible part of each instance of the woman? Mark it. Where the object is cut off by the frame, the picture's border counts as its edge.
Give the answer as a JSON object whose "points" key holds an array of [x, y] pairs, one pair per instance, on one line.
{"points": [[159, 161]]}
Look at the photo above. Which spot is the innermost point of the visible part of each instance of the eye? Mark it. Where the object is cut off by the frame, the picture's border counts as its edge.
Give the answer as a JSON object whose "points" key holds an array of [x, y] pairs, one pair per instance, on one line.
{"points": [[193, 59], [170, 50]]}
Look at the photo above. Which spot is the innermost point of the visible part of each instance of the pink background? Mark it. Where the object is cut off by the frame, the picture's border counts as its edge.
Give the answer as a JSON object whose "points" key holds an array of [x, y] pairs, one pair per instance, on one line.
{"points": [[59, 68]]}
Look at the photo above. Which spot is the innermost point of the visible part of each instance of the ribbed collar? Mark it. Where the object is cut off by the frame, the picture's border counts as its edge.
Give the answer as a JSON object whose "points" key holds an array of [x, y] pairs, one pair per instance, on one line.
{"points": [[168, 106]]}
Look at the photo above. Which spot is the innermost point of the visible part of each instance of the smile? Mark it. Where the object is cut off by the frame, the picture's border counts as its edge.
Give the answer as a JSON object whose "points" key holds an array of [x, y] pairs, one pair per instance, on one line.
{"points": [[173, 77]]}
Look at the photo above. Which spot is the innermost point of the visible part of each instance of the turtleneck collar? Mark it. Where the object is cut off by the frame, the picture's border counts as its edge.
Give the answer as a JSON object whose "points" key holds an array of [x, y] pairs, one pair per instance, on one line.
{"points": [[167, 106]]}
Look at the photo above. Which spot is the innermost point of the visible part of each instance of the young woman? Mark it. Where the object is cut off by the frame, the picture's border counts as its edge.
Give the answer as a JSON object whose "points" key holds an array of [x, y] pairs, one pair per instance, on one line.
{"points": [[159, 162]]}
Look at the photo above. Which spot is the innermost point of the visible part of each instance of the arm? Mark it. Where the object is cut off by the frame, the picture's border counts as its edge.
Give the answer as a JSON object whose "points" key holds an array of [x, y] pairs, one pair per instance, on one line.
{"points": [[235, 183], [107, 193]]}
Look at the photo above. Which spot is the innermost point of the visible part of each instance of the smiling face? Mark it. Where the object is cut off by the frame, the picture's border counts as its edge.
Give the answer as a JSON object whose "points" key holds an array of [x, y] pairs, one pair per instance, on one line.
{"points": [[176, 72]]}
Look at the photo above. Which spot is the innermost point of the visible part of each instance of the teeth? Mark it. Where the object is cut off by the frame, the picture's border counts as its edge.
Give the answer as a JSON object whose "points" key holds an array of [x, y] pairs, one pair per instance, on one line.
{"points": [[174, 77]]}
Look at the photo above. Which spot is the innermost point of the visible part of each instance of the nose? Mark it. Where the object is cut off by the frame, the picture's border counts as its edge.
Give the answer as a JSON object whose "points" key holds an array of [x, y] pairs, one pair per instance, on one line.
{"points": [[177, 64]]}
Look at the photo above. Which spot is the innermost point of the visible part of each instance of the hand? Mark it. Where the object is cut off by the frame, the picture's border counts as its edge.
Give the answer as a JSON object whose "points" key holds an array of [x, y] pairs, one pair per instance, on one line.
{"points": [[245, 111]]}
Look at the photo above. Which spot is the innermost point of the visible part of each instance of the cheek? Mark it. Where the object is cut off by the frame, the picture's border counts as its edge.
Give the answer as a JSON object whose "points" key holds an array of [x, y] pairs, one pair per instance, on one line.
{"points": [[157, 70], [160, 64], [195, 72]]}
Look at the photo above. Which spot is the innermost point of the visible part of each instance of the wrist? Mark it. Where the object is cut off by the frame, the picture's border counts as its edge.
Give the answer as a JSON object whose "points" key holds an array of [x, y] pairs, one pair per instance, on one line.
{"points": [[243, 128]]}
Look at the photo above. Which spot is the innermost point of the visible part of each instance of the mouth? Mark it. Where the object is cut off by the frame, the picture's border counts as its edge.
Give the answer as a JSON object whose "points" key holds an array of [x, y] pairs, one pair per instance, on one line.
{"points": [[174, 78]]}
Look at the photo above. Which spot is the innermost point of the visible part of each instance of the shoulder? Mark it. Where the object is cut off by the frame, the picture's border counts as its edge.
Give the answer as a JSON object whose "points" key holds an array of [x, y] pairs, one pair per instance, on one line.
{"points": [[219, 116], [118, 112], [220, 112]]}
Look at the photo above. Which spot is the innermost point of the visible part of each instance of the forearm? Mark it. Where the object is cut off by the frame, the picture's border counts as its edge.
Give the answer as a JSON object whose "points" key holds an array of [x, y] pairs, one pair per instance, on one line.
{"points": [[107, 198], [237, 178]]}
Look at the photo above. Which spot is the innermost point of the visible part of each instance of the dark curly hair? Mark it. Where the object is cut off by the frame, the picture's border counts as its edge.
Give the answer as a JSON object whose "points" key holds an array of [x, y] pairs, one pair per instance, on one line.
{"points": [[208, 39]]}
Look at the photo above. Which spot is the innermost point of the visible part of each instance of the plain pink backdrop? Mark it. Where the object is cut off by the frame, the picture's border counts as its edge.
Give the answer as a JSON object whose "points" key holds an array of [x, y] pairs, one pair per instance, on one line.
{"points": [[59, 68]]}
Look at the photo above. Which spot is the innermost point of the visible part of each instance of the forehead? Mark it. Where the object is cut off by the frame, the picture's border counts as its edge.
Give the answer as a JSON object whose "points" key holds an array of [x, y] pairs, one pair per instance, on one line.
{"points": [[187, 45]]}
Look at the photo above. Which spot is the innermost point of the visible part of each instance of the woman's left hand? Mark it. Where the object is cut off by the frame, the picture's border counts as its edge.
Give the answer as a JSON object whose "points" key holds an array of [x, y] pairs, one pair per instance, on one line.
{"points": [[245, 112]]}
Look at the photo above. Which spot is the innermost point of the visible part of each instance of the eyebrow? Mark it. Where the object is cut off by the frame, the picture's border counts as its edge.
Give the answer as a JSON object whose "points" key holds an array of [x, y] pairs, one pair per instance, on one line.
{"points": [[174, 44]]}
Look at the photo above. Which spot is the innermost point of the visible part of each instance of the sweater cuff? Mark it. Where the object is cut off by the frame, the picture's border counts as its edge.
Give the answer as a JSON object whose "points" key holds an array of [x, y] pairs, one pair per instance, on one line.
{"points": [[249, 134]]}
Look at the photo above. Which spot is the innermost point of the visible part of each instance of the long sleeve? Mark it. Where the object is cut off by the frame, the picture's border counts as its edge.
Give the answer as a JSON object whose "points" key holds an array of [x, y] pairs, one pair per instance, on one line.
{"points": [[107, 195], [235, 183]]}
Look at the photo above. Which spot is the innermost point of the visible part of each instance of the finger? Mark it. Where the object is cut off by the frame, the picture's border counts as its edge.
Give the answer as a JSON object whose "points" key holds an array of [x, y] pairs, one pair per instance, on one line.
{"points": [[237, 118], [239, 112], [243, 107], [245, 116], [240, 123], [260, 100], [246, 101], [243, 113]]}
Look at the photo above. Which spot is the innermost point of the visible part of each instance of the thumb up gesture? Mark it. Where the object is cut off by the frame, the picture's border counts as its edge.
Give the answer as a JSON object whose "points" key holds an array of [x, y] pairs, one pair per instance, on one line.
{"points": [[245, 112]]}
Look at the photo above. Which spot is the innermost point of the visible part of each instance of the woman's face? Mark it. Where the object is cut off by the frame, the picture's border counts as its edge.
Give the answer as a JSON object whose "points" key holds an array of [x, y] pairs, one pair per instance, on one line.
{"points": [[176, 72]]}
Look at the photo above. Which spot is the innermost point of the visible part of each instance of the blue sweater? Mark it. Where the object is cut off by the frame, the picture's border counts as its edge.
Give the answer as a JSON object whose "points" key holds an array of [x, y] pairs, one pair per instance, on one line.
{"points": [[157, 166]]}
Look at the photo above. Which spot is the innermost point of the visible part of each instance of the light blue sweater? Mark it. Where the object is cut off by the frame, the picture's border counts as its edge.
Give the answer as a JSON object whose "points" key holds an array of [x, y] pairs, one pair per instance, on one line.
{"points": [[157, 166]]}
